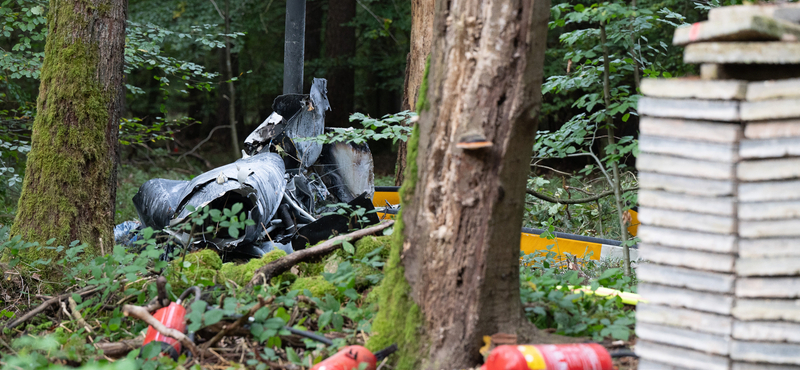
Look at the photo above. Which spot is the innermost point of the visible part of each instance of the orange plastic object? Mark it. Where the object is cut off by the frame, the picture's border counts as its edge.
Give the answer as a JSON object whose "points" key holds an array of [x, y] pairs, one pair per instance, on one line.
{"points": [[172, 316], [585, 356], [349, 358]]}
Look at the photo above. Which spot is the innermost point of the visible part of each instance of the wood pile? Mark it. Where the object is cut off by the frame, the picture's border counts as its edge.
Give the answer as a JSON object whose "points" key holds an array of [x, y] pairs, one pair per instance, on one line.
{"points": [[720, 198]]}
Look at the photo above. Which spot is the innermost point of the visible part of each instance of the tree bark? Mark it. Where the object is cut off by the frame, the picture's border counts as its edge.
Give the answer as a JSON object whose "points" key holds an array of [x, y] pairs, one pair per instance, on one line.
{"points": [[313, 47], [422, 12], [231, 87], [461, 218], [340, 47], [623, 231], [70, 182]]}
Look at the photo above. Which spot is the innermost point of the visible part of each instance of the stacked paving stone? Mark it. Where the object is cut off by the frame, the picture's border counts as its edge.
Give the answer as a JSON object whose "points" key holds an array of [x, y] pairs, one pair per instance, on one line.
{"points": [[719, 174]]}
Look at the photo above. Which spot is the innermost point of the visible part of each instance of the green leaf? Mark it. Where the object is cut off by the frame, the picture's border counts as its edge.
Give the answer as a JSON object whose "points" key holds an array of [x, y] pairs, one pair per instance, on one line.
{"points": [[349, 248], [151, 350], [212, 317], [37, 10], [626, 117], [275, 323], [282, 314], [352, 294], [274, 341], [292, 356], [233, 231], [114, 323], [262, 314], [579, 8], [337, 321], [324, 319]]}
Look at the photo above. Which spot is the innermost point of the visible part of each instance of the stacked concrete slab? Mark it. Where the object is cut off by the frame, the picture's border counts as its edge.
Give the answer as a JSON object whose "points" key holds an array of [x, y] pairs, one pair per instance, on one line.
{"points": [[720, 199], [766, 314]]}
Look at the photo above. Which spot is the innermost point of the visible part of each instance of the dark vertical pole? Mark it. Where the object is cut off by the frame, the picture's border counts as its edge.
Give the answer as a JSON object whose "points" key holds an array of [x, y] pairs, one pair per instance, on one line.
{"points": [[293, 47]]}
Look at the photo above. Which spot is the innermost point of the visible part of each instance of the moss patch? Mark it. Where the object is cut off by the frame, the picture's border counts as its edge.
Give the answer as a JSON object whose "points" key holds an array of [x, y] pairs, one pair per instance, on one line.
{"points": [[311, 269], [201, 266], [317, 285], [241, 274], [206, 258], [399, 319], [368, 244], [422, 100]]}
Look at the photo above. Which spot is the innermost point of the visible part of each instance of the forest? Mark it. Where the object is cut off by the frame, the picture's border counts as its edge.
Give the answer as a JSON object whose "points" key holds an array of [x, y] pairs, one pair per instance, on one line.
{"points": [[198, 77]]}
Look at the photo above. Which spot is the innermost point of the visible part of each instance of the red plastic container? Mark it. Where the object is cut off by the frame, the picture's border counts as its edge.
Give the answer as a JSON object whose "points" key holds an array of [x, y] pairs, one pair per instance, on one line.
{"points": [[172, 316], [585, 356], [349, 358]]}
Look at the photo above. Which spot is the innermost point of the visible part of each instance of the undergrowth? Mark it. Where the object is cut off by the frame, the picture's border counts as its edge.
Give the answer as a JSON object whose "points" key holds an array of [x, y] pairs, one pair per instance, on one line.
{"points": [[595, 218], [334, 296], [548, 289]]}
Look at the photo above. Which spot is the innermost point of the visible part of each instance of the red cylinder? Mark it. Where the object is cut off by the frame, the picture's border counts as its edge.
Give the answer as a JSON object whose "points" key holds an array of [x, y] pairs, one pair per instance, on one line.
{"points": [[349, 358], [585, 356], [172, 316]]}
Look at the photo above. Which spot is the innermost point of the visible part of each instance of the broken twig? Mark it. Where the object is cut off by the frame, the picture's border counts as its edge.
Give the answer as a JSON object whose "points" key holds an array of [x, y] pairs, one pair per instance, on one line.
{"points": [[142, 314], [574, 201], [119, 349], [73, 306], [283, 264], [47, 303]]}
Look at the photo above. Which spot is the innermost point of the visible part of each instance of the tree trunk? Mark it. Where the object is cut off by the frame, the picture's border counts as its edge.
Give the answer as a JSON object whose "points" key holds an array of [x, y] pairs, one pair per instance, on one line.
{"points": [[231, 87], [340, 47], [462, 208], [70, 181], [313, 47], [623, 231], [422, 12]]}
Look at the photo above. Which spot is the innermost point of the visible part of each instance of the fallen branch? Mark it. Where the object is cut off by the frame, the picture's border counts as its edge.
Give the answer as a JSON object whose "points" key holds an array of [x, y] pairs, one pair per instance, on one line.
{"points": [[283, 264], [238, 323], [142, 314], [575, 201], [73, 306], [47, 303], [121, 348]]}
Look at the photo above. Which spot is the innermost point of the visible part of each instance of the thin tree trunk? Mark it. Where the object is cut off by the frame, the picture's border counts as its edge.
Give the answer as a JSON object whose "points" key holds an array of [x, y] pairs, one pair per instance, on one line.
{"points": [[636, 80], [70, 182], [422, 12], [231, 87], [462, 209], [313, 47], [340, 47], [614, 166]]}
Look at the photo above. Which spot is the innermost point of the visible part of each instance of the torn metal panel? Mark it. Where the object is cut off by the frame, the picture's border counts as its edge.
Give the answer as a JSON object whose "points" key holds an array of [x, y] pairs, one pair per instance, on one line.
{"points": [[257, 182], [306, 119], [334, 224], [347, 170], [309, 191], [157, 200], [260, 137]]}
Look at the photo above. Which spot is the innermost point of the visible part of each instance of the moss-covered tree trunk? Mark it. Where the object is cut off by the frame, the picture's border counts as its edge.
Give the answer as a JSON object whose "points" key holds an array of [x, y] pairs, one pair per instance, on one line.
{"points": [[70, 182], [453, 276], [422, 12]]}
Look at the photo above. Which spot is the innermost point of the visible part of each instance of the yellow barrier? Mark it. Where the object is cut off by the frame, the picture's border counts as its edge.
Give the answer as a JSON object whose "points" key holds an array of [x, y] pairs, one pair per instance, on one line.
{"points": [[529, 242], [532, 243]]}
